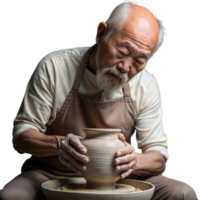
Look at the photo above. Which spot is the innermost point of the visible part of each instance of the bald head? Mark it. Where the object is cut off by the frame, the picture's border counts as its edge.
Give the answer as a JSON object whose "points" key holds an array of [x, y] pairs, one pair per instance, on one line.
{"points": [[141, 26], [129, 15]]}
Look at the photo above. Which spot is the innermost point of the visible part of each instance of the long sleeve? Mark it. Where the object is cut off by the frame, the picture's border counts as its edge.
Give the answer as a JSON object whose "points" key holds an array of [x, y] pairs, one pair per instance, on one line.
{"points": [[36, 107], [47, 89], [149, 128]]}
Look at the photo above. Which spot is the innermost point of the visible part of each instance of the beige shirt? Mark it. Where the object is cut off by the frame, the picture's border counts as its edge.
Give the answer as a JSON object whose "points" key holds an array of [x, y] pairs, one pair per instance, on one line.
{"points": [[52, 81]]}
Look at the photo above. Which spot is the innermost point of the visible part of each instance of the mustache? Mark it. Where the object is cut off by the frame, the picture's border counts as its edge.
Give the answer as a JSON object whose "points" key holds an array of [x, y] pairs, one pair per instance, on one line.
{"points": [[116, 72]]}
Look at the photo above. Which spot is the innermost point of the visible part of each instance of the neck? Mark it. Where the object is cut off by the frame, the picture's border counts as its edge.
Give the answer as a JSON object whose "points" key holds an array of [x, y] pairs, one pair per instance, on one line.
{"points": [[92, 61]]}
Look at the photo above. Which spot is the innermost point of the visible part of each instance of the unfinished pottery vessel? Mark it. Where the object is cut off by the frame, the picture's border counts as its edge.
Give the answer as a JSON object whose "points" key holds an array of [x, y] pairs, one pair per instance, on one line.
{"points": [[101, 145]]}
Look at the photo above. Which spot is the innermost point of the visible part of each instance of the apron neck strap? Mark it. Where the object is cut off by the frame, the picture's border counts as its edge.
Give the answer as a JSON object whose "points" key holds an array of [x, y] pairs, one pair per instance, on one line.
{"points": [[127, 90], [81, 70]]}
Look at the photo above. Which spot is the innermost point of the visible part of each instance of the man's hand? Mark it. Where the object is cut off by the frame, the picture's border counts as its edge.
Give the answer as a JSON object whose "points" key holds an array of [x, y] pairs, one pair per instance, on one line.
{"points": [[125, 158], [72, 153]]}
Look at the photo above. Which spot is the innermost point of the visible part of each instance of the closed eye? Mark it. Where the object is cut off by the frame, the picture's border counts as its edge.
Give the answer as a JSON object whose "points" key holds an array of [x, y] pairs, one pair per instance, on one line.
{"points": [[138, 62], [120, 53]]}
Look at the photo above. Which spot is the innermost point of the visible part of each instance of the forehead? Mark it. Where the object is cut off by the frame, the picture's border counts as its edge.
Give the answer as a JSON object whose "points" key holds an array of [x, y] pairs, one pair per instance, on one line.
{"points": [[131, 43], [141, 28], [136, 39]]}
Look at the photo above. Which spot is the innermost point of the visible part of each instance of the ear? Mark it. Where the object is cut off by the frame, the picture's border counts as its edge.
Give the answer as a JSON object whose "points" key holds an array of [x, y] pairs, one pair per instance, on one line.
{"points": [[101, 31]]}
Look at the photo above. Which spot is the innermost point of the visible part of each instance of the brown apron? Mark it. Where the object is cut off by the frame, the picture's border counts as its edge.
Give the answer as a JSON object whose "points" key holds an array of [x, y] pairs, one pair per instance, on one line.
{"points": [[80, 112]]}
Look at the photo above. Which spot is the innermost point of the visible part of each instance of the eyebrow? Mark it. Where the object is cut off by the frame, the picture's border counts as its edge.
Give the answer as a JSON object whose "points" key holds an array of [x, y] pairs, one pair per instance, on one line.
{"points": [[127, 45]]}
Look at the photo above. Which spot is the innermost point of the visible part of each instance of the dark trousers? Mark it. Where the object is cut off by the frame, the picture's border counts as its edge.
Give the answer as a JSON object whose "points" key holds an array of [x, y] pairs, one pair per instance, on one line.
{"points": [[27, 186]]}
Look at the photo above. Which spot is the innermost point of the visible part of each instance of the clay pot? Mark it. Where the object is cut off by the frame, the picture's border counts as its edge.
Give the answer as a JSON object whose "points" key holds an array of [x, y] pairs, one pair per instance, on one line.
{"points": [[102, 145]]}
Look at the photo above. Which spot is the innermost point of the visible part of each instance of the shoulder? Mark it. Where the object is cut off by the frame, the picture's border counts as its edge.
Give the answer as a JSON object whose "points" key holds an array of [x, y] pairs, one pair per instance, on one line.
{"points": [[144, 90], [67, 53], [63, 62], [143, 79], [143, 82]]}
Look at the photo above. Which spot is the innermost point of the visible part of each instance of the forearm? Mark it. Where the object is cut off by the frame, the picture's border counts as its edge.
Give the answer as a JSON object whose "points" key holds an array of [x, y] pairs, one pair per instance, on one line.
{"points": [[149, 163], [37, 144]]}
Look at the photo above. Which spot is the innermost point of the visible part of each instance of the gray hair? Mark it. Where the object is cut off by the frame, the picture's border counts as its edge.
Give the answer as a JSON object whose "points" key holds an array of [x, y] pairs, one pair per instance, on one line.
{"points": [[120, 14]]}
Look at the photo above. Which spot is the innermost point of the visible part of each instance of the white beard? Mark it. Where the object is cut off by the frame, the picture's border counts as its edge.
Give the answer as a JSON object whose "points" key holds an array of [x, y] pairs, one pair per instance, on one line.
{"points": [[106, 82]]}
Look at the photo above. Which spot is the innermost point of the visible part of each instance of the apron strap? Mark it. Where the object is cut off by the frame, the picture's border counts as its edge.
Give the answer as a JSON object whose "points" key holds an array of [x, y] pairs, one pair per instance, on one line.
{"points": [[127, 90], [81, 69]]}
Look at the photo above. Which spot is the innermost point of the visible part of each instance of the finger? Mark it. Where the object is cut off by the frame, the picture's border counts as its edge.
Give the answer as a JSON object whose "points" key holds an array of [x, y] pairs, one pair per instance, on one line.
{"points": [[121, 137], [126, 150], [127, 166], [69, 159], [75, 142], [80, 166], [124, 159], [68, 164], [126, 173], [68, 149], [80, 157]]}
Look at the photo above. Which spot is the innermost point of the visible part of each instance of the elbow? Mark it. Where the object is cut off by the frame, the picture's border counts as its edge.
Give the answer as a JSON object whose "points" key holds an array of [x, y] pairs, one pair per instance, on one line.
{"points": [[165, 168], [162, 165], [17, 146]]}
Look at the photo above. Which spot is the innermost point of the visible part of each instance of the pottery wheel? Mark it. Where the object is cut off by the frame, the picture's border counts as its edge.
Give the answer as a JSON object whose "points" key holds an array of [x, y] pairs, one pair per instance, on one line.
{"points": [[80, 187]]}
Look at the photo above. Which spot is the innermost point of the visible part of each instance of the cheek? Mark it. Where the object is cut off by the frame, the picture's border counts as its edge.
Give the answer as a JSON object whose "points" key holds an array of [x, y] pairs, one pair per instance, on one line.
{"points": [[141, 68], [107, 57], [136, 70], [131, 76], [132, 72]]}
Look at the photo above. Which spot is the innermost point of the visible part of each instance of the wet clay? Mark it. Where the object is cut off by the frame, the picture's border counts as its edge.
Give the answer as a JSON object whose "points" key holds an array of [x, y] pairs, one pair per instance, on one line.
{"points": [[81, 187]]}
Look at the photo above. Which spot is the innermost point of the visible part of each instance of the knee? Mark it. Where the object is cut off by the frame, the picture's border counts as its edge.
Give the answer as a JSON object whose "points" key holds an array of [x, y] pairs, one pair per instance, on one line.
{"points": [[17, 194], [183, 191]]}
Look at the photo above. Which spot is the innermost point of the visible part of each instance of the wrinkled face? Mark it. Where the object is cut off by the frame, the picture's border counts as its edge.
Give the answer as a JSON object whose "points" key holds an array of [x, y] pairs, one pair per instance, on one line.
{"points": [[125, 53], [109, 77]]}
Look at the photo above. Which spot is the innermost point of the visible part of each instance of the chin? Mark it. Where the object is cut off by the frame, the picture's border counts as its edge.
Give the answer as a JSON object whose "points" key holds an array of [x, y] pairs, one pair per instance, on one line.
{"points": [[109, 84], [106, 81]]}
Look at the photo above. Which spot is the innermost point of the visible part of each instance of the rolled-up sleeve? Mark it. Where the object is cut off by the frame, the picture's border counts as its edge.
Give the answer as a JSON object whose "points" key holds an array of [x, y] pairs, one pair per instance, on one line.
{"points": [[149, 128], [36, 108]]}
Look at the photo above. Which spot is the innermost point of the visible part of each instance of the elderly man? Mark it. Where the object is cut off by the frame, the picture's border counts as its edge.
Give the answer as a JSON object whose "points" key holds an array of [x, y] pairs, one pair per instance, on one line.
{"points": [[104, 86]]}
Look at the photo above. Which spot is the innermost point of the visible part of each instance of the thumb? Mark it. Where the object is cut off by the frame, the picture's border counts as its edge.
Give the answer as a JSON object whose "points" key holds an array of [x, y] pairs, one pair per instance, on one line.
{"points": [[122, 138], [80, 137], [59, 139], [83, 148]]}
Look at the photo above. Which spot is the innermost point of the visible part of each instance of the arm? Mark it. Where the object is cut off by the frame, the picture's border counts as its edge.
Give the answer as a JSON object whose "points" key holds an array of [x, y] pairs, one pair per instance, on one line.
{"points": [[142, 164], [37, 144], [149, 163], [150, 134], [34, 113], [150, 138]]}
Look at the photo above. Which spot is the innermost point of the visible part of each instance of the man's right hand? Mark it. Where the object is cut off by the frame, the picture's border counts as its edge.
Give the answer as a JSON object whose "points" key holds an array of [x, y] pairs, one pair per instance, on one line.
{"points": [[72, 153]]}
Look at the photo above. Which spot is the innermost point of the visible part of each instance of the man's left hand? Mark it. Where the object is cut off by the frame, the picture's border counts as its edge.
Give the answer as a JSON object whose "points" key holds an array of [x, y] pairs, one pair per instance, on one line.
{"points": [[125, 160]]}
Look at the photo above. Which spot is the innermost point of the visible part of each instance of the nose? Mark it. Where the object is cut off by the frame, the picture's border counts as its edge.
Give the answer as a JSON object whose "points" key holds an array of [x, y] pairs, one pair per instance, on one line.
{"points": [[124, 66]]}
